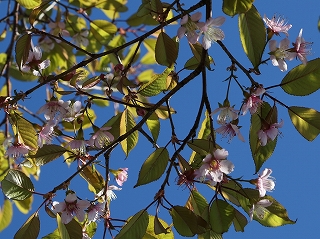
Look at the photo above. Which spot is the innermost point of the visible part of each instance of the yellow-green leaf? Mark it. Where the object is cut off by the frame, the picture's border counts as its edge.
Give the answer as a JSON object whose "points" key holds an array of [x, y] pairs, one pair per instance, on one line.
{"points": [[153, 124], [47, 153], [239, 221], [30, 229], [102, 30], [22, 49], [252, 35], [303, 79], [93, 177], [62, 228], [24, 206], [233, 7], [35, 12], [166, 51], [127, 122], [153, 167], [306, 121], [5, 214], [29, 4], [158, 229]]}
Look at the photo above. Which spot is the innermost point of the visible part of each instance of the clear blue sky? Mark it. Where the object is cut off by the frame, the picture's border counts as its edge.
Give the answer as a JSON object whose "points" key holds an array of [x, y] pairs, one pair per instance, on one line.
{"points": [[295, 162]]}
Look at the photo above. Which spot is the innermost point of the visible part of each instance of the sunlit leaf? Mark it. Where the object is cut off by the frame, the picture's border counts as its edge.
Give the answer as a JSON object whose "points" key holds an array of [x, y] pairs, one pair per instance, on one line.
{"points": [[210, 235], [132, 55], [153, 167], [197, 51], [35, 12], [91, 82], [127, 122], [166, 50], [93, 177], [153, 124], [303, 79], [100, 102], [233, 7], [102, 30], [16, 185], [6, 212], [24, 206], [62, 228], [158, 229], [23, 46], [136, 226], [221, 216], [252, 35], [54, 235], [197, 203], [30, 229], [29, 4], [48, 153], [306, 121]]}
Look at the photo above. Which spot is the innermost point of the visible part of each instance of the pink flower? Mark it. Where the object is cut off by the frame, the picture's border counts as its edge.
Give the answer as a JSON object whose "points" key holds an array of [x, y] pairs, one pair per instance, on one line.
{"points": [[279, 55], [227, 114], [71, 207], [265, 183], [277, 25], [58, 28], [214, 167], [17, 149], [110, 195], [95, 211], [77, 145], [259, 209], [54, 108], [230, 130], [101, 138], [190, 26], [47, 132], [253, 102], [211, 31], [34, 62], [72, 110], [269, 133], [301, 48], [122, 176]]}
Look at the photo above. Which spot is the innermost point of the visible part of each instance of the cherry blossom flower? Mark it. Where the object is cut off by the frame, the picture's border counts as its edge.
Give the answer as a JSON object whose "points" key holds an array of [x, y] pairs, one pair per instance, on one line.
{"points": [[100, 138], [277, 25], [54, 108], [46, 44], [34, 62], [110, 195], [264, 182], [46, 133], [58, 28], [259, 209], [301, 48], [121, 176], [270, 133], [71, 207], [231, 130], [72, 110], [211, 32], [81, 38], [77, 145], [214, 167], [278, 55], [253, 102], [95, 211], [17, 149], [190, 27], [227, 114]]}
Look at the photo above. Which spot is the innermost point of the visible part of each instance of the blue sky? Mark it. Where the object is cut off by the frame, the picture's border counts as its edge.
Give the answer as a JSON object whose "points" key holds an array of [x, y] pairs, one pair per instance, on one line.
{"points": [[295, 162]]}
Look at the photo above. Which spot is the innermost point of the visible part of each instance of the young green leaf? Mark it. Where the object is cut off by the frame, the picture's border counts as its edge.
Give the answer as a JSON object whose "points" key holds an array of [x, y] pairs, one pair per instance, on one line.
{"points": [[93, 177], [166, 51], [158, 229], [136, 226], [47, 153], [252, 35], [30, 229], [16, 185], [23, 46], [303, 79], [154, 166], [35, 12], [29, 4], [5, 214], [24, 206], [153, 124], [221, 216], [127, 123], [306, 121], [233, 7]]}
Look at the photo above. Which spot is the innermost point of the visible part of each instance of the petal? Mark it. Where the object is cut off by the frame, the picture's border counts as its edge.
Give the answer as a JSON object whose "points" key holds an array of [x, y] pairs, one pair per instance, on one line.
{"points": [[196, 16], [181, 32], [206, 43], [220, 154], [66, 217], [272, 133], [282, 65], [83, 204], [272, 45], [262, 137], [80, 215], [284, 44], [43, 65], [264, 203], [274, 60], [217, 22], [226, 166], [37, 52], [71, 197], [184, 20], [58, 206], [266, 173]]}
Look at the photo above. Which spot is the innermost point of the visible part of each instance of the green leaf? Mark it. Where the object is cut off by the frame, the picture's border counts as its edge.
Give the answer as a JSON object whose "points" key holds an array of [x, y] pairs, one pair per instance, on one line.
{"points": [[252, 35], [48, 153], [132, 53], [16, 185], [260, 153], [91, 82], [156, 85], [197, 51], [74, 229], [306, 121], [153, 167], [239, 221], [5, 214], [126, 124], [23, 46], [186, 222], [233, 7], [100, 102], [30, 229], [29, 4], [158, 229], [24, 206], [166, 51], [303, 79], [201, 146], [35, 12], [62, 228], [221, 216], [153, 125], [54, 235], [93, 177], [102, 30], [197, 203], [210, 235], [136, 226]]}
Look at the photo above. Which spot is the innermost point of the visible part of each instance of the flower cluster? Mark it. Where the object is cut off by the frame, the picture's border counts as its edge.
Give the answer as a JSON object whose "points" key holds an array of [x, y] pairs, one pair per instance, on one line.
{"points": [[193, 29], [34, 62], [283, 52]]}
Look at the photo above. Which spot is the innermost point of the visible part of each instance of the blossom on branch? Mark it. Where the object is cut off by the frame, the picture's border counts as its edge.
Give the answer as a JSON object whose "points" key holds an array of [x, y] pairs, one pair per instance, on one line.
{"points": [[227, 114], [121, 176], [301, 48], [277, 25], [271, 132], [253, 101], [101, 138], [17, 149], [70, 207], [72, 110], [54, 109], [81, 38], [264, 183], [211, 31], [46, 133], [95, 211], [231, 130], [190, 27], [34, 62], [278, 55], [259, 209]]}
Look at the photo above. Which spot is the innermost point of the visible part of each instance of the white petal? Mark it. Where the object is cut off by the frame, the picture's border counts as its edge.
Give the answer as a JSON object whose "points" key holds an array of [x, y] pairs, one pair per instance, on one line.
{"points": [[226, 166], [220, 154]]}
